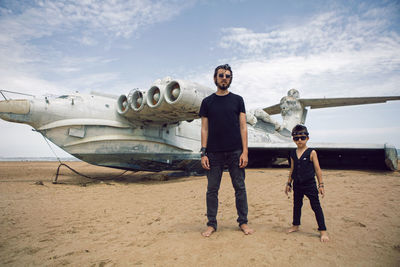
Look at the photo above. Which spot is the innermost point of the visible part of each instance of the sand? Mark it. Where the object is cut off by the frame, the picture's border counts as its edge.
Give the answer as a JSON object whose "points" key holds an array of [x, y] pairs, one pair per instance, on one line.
{"points": [[140, 220]]}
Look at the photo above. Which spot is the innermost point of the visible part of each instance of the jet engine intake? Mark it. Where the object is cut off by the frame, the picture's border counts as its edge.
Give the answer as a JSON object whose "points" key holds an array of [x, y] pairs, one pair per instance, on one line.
{"points": [[137, 100], [186, 96], [131, 105], [122, 105], [154, 97], [167, 101]]}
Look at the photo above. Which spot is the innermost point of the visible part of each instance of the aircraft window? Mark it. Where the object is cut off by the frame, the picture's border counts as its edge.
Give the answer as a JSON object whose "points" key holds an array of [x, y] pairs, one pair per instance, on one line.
{"points": [[74, 97], [63, 96]]}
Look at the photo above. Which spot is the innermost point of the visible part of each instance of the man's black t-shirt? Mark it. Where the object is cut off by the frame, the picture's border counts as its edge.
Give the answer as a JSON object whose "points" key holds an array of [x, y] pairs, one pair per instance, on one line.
{"points": [[223, 121]]}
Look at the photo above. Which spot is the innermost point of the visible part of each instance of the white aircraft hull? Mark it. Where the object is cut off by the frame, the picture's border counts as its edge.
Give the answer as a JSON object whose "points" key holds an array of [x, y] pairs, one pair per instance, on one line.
{"points": [[164, 134]]}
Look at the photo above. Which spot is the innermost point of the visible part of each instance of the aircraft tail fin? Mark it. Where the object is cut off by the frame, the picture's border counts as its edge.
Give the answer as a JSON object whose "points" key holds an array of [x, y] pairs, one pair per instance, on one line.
{"points": [[272, 110]]}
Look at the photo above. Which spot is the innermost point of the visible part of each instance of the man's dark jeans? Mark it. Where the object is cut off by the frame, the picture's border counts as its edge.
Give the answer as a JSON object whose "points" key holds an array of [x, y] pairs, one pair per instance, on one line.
{"points": [[217, 162]]}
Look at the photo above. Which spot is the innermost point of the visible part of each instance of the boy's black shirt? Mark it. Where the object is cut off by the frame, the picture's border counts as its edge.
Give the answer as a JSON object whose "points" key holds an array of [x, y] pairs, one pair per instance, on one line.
{"points": [[223, 121], [303, 168]]}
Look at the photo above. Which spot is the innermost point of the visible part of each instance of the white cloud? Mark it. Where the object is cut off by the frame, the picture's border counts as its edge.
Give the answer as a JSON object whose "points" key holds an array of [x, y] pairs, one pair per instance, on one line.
{"points": [[355, 132], [332, 32], [332, 54], [359, 135], [113, 17], [14, 80], [88, 41], [31, 32]]}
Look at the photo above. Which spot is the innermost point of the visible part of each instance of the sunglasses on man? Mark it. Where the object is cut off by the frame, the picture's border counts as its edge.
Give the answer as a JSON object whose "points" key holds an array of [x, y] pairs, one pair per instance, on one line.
{"points": [[296, 138], [221, 75]]}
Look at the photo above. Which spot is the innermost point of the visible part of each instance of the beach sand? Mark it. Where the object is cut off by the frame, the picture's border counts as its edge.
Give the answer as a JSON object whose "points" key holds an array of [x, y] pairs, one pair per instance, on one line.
{"points": [[139, 219]]}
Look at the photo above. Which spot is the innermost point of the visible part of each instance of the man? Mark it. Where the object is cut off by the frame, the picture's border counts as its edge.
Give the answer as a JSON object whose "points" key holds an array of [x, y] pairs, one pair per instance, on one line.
{"points": [[224, 142]]}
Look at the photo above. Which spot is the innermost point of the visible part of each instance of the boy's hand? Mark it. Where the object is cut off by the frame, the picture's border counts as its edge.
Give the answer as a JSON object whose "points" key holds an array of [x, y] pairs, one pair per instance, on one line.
{"points": [[321, 190], [288, 189]]}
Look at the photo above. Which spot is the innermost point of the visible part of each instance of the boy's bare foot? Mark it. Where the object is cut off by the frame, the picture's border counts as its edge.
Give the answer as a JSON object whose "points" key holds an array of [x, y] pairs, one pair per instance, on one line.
{"points": [[246, 229], [208, 232], [292, 229], [324, 236]]}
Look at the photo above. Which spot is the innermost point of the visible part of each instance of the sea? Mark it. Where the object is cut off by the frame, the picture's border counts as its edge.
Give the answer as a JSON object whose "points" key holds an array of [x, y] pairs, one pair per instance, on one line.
{"points": [[38, 159]]}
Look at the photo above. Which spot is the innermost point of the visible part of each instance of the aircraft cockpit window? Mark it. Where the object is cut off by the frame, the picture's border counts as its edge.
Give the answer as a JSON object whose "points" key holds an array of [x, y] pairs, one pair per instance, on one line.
{"points": [[69, 97]]}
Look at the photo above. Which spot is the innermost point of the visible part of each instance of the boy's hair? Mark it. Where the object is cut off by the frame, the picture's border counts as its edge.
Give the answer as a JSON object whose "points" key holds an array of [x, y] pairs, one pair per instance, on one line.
{"points": [[299, 129]]}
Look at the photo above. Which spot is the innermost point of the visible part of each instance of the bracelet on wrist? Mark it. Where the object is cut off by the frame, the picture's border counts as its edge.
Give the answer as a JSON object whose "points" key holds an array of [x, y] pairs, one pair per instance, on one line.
{"points": [[203, 151], [289, 184]]}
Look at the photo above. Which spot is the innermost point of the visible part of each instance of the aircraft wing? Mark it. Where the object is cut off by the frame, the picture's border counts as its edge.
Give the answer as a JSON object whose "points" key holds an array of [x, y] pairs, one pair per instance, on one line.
{"points": [[344, 101], [333, 102], [330, 155]]}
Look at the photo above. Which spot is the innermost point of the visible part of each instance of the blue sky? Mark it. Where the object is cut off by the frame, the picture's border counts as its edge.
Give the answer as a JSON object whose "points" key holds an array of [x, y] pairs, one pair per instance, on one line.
{"points": [[321, 48]]}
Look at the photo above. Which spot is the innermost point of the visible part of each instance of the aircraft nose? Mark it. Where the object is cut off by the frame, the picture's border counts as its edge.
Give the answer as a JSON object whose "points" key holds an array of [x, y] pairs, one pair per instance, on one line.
{"points": [[18, 106]]}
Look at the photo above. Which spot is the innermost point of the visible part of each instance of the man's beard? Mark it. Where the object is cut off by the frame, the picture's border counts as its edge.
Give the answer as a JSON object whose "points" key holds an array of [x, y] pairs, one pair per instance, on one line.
{"points": [[223, 87]]}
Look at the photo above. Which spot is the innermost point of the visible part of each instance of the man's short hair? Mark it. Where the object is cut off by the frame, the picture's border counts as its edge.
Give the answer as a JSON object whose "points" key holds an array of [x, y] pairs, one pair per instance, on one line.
{"points": [[224, 67], [299, 129]]}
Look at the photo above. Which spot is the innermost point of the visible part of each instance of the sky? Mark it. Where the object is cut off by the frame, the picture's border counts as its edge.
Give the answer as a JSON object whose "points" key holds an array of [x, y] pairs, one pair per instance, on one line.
{"points": [[327, 49]]}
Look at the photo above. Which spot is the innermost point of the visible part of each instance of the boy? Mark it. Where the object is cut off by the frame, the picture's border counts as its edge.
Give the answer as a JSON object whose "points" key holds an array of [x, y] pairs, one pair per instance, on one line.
{"points": [[304, 166]]}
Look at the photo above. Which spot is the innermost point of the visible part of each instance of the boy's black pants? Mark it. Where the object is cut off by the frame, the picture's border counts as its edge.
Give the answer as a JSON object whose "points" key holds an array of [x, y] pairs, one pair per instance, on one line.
{"points": [[311, 192]]}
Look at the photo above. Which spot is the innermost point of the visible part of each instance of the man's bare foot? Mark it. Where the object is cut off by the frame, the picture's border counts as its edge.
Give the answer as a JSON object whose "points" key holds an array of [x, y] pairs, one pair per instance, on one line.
{"points": [[246, 229], [292, 229], [324, 236], [208, 232]]}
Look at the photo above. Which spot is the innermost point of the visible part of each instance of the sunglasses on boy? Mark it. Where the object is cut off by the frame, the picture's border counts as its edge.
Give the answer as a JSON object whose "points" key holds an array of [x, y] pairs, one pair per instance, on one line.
{"points": [[296, 138], [221, 75]]}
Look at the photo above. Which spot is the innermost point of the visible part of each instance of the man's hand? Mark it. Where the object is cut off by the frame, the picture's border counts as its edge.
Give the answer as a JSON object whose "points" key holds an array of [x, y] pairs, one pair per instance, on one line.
{"points": [[205, 163], [243, 160], [321, 190]]}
